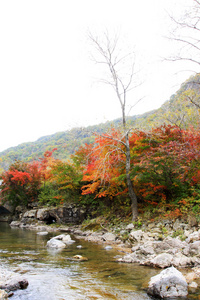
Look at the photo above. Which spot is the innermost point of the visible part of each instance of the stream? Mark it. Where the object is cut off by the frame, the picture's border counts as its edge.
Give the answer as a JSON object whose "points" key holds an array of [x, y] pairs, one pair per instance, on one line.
{"points": [[53, 276]]}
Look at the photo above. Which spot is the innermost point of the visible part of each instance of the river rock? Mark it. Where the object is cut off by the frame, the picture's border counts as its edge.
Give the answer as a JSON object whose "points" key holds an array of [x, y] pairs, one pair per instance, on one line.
{"points": [[194, 236], [30, 214], [147, 250], [79, 258], [3, 295], [190, 277], [108, 247], [194, 248], [177, 225], [42, 232], [56, 244], [65, 238], [109, 237], [42, 213], [192, 221], [172, 245], [130, 226], [15, 223], [180, 260], [168, 284], [15, 284], [162, 260], [136, 236], [193, 285], [60, 241], [129, 258]]}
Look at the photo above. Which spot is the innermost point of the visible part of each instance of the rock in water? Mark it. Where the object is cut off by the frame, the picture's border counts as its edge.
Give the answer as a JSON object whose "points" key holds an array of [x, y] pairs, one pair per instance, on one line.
{"points": [[54, 243], [59, 241], [3, 295], [14, 285], [79, 258], [169, 283]]}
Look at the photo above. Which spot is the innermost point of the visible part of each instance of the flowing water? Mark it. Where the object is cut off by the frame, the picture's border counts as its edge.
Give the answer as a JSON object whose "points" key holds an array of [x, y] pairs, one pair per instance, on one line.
{"points": [[52, 275]]}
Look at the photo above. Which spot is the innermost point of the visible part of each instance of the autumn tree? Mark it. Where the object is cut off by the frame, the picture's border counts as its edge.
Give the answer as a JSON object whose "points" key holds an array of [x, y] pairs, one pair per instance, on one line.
{"points": [[168, 170], [21, 183], [104, 167], [122, 78]]}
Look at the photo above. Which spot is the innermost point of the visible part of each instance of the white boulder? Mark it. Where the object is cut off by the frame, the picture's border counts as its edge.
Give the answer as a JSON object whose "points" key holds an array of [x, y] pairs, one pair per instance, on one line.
{"points": [[169, 283], [56, 244], [60, 241]]}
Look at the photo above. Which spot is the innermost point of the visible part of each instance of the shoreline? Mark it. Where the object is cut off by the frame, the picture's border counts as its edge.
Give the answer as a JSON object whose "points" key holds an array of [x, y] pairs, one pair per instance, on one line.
{"points": [[142, 246]]}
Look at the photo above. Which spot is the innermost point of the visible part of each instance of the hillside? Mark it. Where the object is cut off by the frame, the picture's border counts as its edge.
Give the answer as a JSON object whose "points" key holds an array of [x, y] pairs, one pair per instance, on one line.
{"points": [[67, 142], [182, 109]]}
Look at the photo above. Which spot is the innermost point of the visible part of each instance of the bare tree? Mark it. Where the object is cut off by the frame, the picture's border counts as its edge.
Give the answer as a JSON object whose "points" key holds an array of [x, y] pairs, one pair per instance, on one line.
{"points": [[122, 78], [186, 33]]}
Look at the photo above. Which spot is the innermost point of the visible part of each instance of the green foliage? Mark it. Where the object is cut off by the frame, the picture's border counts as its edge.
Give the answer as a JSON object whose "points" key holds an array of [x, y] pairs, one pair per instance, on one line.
{"points": [[179, 233], [49, 195], [138, 223]]}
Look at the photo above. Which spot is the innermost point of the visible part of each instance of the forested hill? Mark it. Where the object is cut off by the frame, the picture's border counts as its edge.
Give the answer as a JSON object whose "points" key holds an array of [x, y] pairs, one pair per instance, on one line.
{"points": [[182, 110], [66, 142]]}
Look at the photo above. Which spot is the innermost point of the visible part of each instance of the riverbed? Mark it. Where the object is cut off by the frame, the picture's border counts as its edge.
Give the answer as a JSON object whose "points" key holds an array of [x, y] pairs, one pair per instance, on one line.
{"points": [[53, 275]]}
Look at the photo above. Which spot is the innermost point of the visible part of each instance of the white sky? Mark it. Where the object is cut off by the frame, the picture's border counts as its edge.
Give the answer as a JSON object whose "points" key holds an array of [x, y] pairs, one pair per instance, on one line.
{"points": [[47, 80]]}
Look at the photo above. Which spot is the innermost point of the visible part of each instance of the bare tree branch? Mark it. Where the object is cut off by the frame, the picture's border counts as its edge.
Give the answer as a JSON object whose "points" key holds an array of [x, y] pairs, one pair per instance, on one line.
{"points": [[107, 49]]}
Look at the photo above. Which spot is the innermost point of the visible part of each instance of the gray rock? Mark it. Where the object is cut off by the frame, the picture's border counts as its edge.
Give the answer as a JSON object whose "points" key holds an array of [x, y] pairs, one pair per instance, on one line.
{"points": [[151, 225], [65, 238], [146, 250], [56, 244], [162, 260], [178, 225], [59, 241], [41, 213], [130, 226], [108, 248], [14, 285], [194, 248], [15, 223], [180, 260], [192, 221], [129, 258], [169, 283], [30, 213], [175, 243], [195, 236], [42, 232], [161, 246], [136, 236], [108, 236]]}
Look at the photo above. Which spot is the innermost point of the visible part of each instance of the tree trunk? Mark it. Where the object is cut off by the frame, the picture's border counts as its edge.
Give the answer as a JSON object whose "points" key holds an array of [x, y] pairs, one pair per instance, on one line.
{"points": [[131, 192]]}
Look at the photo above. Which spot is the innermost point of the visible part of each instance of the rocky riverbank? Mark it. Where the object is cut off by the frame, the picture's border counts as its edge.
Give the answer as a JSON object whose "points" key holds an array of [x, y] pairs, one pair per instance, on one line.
{"points": [[158, 244]]}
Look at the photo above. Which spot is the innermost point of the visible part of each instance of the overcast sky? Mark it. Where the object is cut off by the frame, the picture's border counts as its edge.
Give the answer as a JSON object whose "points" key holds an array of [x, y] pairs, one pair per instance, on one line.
{"points": [[48, 83]]}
